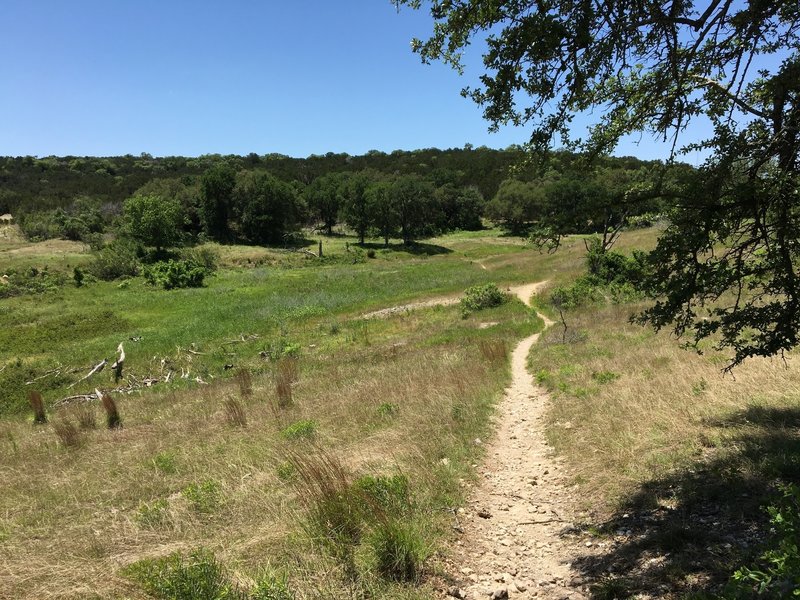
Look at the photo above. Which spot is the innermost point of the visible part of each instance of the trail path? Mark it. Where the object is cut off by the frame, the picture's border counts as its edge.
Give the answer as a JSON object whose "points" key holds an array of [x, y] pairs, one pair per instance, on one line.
{"points": [[512, 542]]}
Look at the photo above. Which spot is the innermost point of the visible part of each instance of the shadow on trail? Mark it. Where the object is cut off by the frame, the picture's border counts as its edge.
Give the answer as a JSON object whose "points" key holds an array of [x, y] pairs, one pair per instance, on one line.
{"points": [[689, 531]]}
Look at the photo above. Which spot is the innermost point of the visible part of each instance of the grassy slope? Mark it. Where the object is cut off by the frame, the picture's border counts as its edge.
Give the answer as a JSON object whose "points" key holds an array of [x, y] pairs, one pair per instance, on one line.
{"points": [[652, 431], [72, 518]]}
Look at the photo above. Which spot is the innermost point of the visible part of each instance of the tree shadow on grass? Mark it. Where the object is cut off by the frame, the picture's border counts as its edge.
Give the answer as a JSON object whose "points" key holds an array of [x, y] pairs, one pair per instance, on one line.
{"points": [[415, 248], [687, 532]]}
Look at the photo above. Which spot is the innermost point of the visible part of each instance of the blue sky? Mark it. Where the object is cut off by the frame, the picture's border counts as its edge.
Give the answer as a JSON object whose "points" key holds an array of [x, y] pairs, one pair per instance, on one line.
{"points": [[175, 77]]}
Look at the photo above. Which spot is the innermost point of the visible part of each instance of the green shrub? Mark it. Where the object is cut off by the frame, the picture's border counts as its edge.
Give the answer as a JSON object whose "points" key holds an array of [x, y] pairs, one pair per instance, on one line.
{"points": [[271, 587], [204, 497], [303, 429], [389, 493], [115, 261], [198, 576], [399, 550], [776, 573], [175, 274], [479, 297]]}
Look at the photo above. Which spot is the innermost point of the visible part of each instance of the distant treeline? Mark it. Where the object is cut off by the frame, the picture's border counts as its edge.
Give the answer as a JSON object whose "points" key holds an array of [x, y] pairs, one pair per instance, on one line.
{"points": [[264, 199]]}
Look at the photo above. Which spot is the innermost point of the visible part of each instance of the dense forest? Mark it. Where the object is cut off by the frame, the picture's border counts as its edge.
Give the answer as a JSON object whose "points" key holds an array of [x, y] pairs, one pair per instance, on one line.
{"points": [[268, 199]]}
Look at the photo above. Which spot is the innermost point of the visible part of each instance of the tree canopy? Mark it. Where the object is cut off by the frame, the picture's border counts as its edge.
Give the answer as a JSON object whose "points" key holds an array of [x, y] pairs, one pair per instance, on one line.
{"points": [[727, 265]]}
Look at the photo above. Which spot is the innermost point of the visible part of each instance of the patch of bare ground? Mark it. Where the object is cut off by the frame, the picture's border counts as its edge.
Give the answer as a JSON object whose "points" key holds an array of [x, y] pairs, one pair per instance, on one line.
{"points": [[517, 535]]}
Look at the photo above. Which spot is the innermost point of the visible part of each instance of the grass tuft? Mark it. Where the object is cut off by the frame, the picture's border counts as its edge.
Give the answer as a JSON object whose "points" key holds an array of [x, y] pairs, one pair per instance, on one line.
{"points": [[37, 404], [399, 550], [234, 412], [68, 433], [494, 351], [113, 420], [245, 382], [85, 415]]}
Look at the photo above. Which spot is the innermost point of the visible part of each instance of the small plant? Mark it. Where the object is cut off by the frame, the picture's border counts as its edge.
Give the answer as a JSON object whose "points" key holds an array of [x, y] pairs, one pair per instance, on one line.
{"points": [[204, 497], [303, 429], [286, 471], [611, 588], [77, 276], [479, 297], [494, 351], [67, 432], [271, 587], [245, 382], [112, 414], [605, 376], [165, 462], [387, 409], [234, 412], [777, 571], [370, 253], [37, 404], [153, 515], [399, 550]]}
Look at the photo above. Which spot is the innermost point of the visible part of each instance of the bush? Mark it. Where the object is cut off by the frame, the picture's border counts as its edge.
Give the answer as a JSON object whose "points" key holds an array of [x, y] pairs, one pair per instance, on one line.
{"points": [[479, 297], [115, 261], [613, 267], [305, 428], [177, 577], [776, 574], [173, 274], [399, 550]]}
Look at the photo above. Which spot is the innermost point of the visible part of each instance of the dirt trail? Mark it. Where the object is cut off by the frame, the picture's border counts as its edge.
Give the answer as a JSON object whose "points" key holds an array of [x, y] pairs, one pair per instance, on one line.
{"points": [[513, 541]]}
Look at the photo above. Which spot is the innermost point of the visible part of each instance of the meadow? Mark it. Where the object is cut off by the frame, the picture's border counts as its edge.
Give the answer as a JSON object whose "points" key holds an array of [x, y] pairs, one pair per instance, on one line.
{"points": [[305, 410]]}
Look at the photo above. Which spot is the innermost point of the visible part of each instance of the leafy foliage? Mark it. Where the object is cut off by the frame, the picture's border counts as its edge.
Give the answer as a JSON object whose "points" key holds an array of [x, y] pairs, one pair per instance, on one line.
{"points": [[777, 572], [726, 266], [479, 297], [174, 274], [154, 221]]}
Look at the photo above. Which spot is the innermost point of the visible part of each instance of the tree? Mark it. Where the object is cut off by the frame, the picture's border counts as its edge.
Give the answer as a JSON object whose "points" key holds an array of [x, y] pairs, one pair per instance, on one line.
{"points": [[267, 208], [324, 198], [515, 206], [355, 204], [216, 194], [411, 197], [381, 208], [656, 67], [154, 221]]}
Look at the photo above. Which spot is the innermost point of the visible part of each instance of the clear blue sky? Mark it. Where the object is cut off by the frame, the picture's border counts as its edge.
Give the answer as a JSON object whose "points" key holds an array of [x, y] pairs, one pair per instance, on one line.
{"points": [[177, 77]]}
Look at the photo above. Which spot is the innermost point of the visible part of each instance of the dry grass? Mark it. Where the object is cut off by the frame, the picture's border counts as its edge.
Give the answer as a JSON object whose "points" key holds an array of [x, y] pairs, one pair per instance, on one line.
{"points": [[37, 404], [244, 380], [494, 350], [68, 433], [630, 406], [235, 414], [85, 415], [89, 500], [286, 374]]}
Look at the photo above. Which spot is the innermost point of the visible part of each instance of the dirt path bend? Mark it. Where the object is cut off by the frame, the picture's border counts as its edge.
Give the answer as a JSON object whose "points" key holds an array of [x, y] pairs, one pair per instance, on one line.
{"points": [[512, 542]]}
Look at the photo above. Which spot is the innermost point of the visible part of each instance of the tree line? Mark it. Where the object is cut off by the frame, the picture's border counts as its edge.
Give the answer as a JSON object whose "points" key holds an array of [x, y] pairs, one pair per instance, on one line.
{"points": [[233, 198]]}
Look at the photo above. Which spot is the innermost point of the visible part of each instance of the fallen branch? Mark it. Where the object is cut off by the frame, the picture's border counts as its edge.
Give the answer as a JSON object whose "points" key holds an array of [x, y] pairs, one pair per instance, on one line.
{"points": [[242, 339], [56, 371], [307, 252], [97, 368]]}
